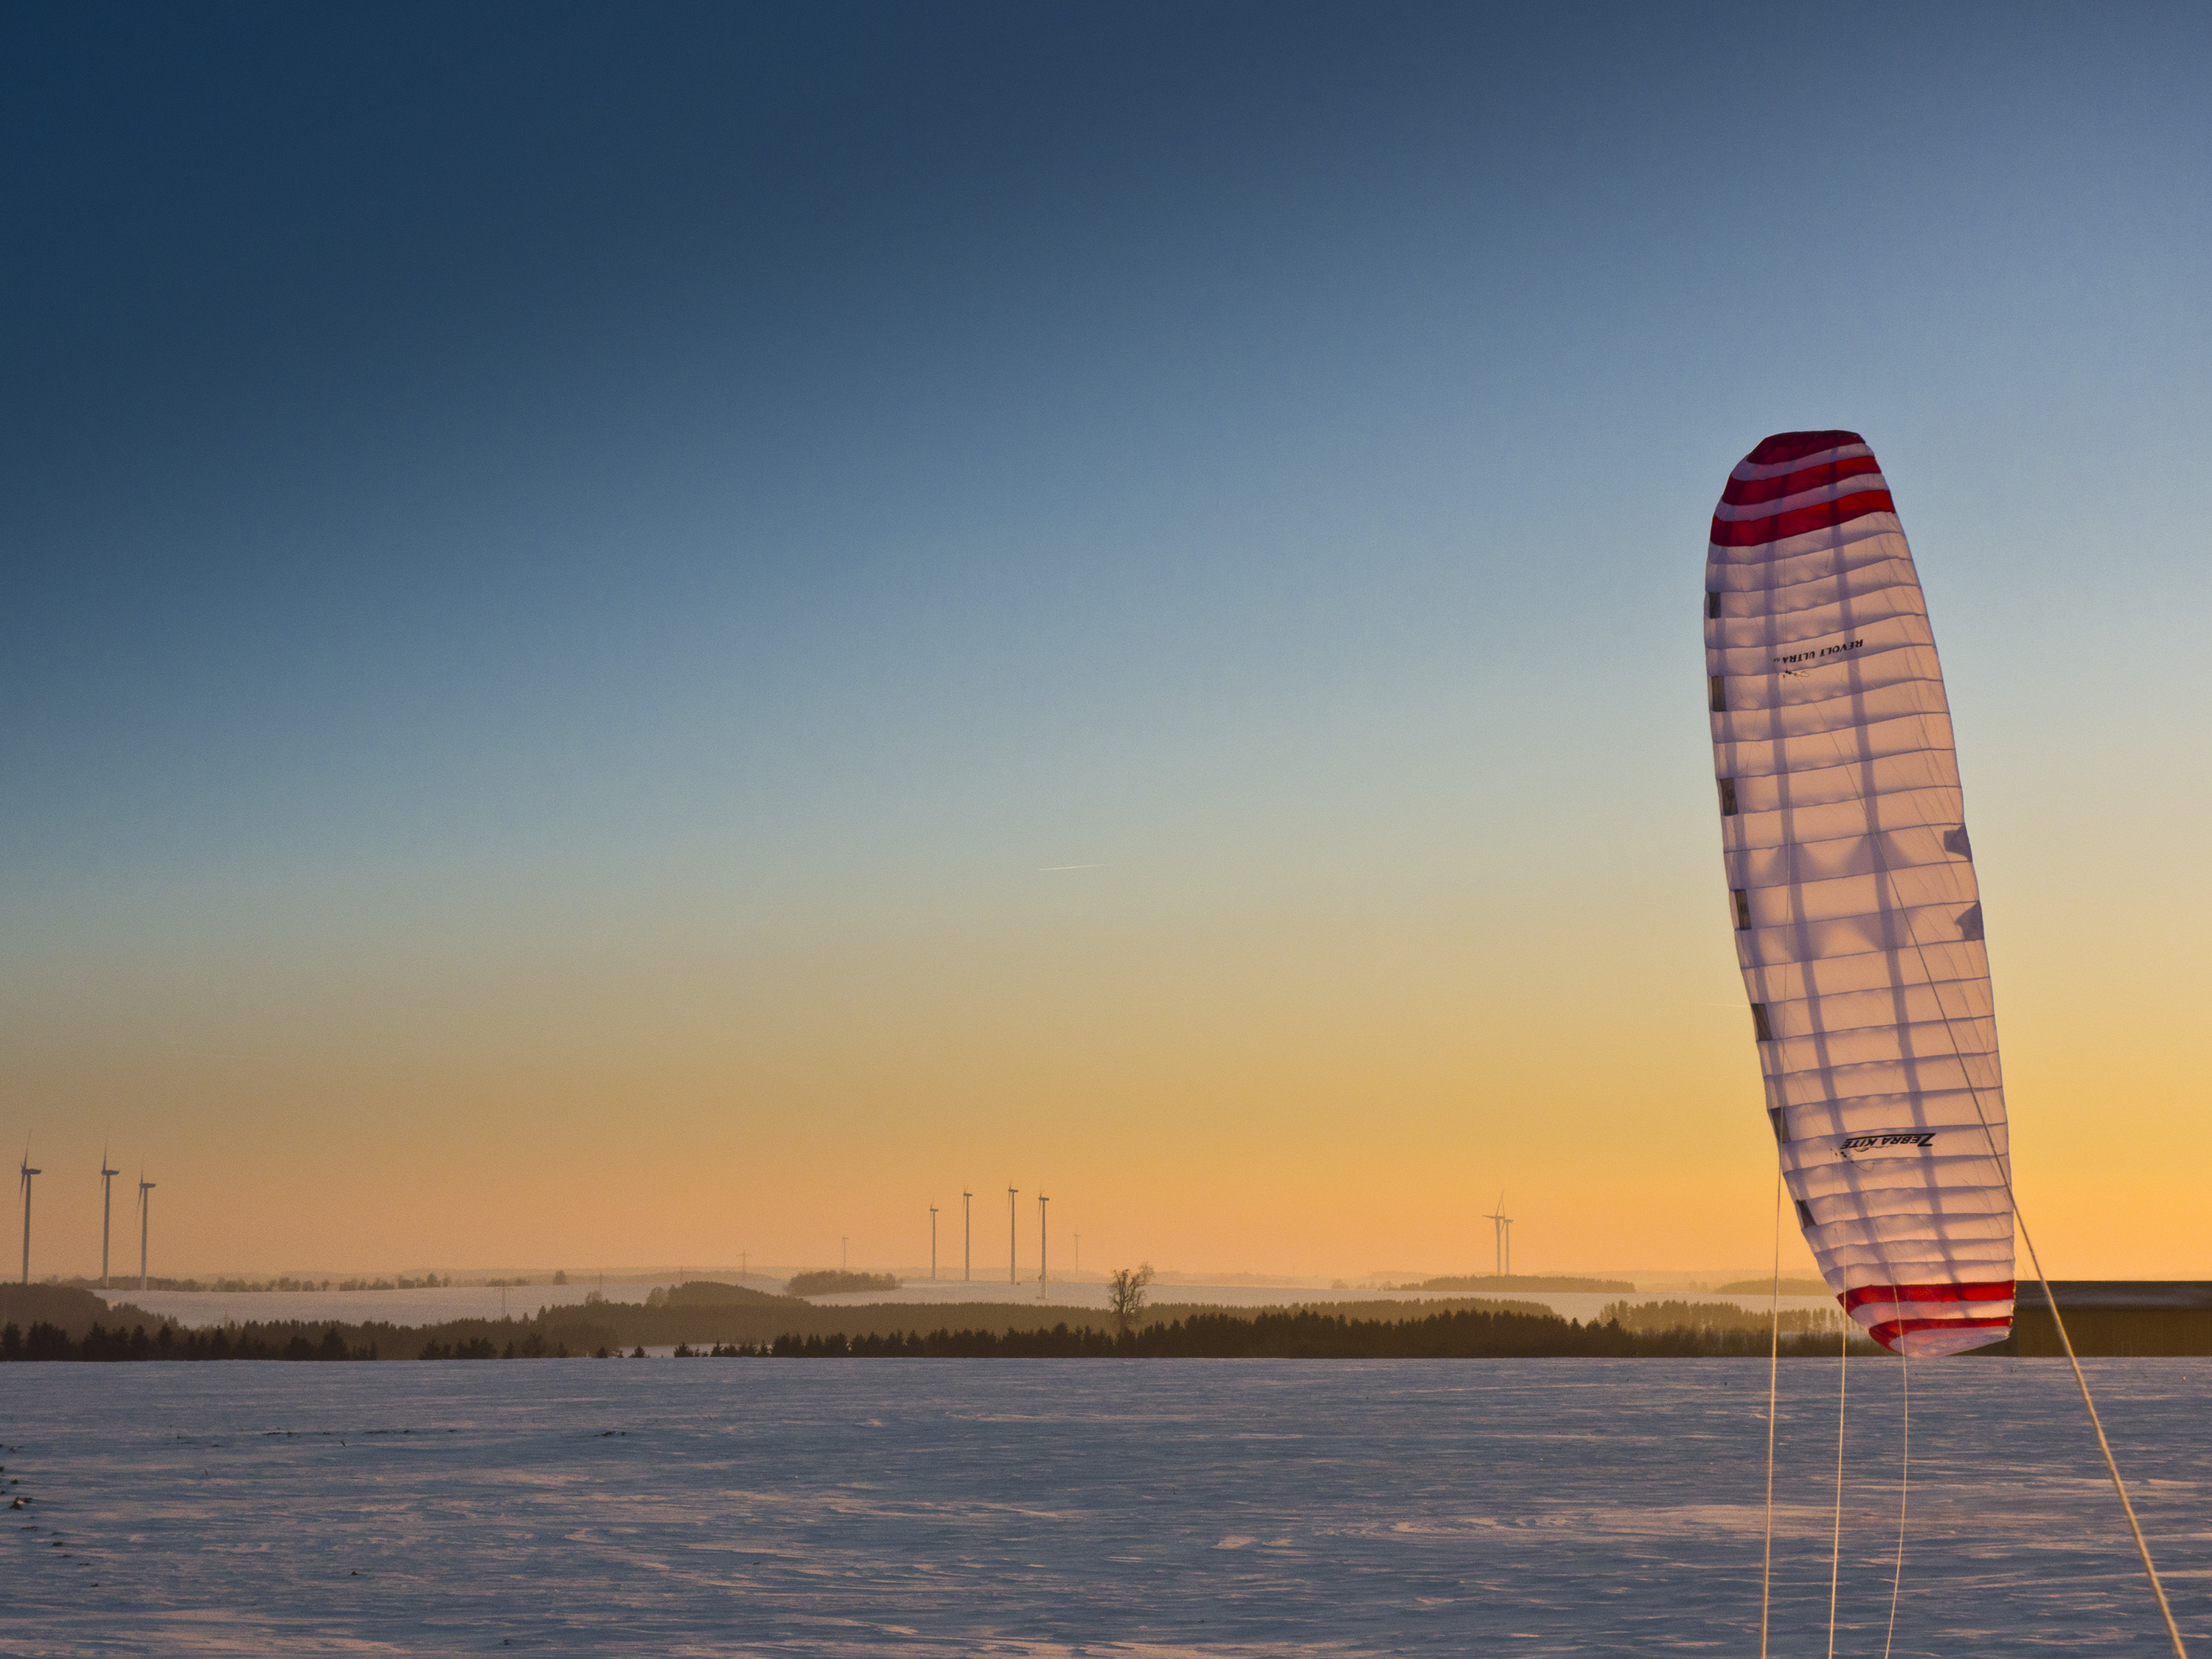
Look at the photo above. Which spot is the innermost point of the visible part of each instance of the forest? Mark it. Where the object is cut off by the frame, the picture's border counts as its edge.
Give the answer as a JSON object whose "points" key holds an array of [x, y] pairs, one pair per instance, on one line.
{"points": [[1392, 1332]]}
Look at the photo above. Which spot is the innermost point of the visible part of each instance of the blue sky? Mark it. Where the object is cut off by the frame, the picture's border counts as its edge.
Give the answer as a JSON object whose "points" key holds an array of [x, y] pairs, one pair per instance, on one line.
{"points": [[490, 496]]}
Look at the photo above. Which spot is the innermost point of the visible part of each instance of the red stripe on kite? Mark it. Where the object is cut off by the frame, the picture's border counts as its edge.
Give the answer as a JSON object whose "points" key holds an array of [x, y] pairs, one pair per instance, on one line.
{"points": [[1997, 1291], [1743, 492], [1788, 445], [1890, 1329], [1751, 533]]}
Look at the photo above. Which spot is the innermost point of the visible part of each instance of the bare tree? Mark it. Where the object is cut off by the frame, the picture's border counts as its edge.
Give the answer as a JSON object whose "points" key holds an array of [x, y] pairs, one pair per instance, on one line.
{"points": [[1125, 1293]]}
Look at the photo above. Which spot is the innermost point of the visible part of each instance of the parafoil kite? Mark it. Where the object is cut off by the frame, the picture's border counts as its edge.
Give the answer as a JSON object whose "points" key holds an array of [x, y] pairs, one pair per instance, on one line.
{"points": [[1858, 923]]}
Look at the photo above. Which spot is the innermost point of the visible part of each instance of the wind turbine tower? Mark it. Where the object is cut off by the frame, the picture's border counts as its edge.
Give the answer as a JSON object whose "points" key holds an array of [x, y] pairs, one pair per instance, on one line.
{"points": [[933, 1243], [1509, 1247], [1045, 1252], [1497, 1219], [145, 1218], [1013, 1240], [967, 1235], [27, 1173], [107, 1208]]}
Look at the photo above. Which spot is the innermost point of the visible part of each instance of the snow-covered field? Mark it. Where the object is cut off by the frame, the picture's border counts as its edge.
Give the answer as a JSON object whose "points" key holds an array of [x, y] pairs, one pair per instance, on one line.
{"points": [[429, 1307], [1156, 1508]]}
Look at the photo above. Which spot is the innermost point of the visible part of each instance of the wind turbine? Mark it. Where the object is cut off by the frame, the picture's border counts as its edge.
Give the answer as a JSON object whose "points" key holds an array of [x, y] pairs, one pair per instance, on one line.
{"points": [[1045, 1252], [106, 1207], [1013, 1242], [1509, 1247], [145, 1218], [27, 1173], [1498, 1221], [967, 1235], [933, 1243]]}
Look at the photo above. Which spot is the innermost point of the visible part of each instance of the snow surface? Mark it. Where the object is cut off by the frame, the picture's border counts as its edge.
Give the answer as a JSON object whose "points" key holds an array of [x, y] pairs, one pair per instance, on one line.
{"points": [[1056, 1508]]}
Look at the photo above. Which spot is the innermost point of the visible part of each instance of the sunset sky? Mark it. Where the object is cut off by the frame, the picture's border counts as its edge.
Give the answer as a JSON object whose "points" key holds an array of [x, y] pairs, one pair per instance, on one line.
{"points": [[634, 634]]}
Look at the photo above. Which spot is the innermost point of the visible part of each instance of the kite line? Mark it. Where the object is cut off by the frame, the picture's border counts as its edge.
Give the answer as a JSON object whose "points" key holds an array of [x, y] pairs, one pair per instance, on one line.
{"points": [[1904, 1486], [1773, 1372], [2035, 1260], [1836, 1544]]}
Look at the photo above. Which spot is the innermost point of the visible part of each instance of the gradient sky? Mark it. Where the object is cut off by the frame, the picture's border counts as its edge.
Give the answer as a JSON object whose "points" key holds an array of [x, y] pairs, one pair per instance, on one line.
{"points": [[637, 633]]}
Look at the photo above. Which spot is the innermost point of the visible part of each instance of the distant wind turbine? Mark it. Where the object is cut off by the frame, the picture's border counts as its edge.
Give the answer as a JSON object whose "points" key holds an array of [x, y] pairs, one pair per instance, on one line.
{"points": [[106, 1207], [145, 1220], [933, 1243], [1498, 1223], [27, 1173], [1013, 1241], [1045, 1252], [967, 1235]]}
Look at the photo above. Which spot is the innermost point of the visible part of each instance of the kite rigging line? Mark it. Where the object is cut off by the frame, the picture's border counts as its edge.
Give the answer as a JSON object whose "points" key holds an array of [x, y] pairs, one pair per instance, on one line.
{"points": [[1773, 1372], [1903, 1484], [2112, 1465], [2004, 1174], [1836, 1544]]}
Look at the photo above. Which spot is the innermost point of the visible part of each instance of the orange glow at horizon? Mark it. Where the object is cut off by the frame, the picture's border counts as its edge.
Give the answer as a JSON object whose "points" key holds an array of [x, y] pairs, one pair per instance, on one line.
{"points": [[1229, 1089]]}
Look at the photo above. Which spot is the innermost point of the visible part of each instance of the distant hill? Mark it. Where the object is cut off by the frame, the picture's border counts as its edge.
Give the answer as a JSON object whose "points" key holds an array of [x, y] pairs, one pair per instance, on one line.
{"points": [[714, 1293], [833, 1281], [74, 1311], [1766, 1287], [1520, 1282]]}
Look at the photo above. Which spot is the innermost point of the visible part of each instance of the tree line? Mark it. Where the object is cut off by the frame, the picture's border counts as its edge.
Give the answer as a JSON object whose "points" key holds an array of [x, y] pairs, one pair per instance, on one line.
{"points": [[1290, 1333], [1306, 1335], [45, 1341]]}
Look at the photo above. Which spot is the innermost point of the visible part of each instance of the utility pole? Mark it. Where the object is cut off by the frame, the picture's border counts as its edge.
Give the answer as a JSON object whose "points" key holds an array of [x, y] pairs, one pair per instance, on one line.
{"points": [[1013, 1243], [967, 1235], [933, 1243], [1044, 1251]]}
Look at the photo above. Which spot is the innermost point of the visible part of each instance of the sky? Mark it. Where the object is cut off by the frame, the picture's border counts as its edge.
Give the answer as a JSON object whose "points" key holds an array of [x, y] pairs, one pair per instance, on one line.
{"points": [[634, 635]]}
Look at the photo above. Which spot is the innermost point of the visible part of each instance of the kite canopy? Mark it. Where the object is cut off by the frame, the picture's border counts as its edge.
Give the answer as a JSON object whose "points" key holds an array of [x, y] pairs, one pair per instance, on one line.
{"points": [[1858, 923]]}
